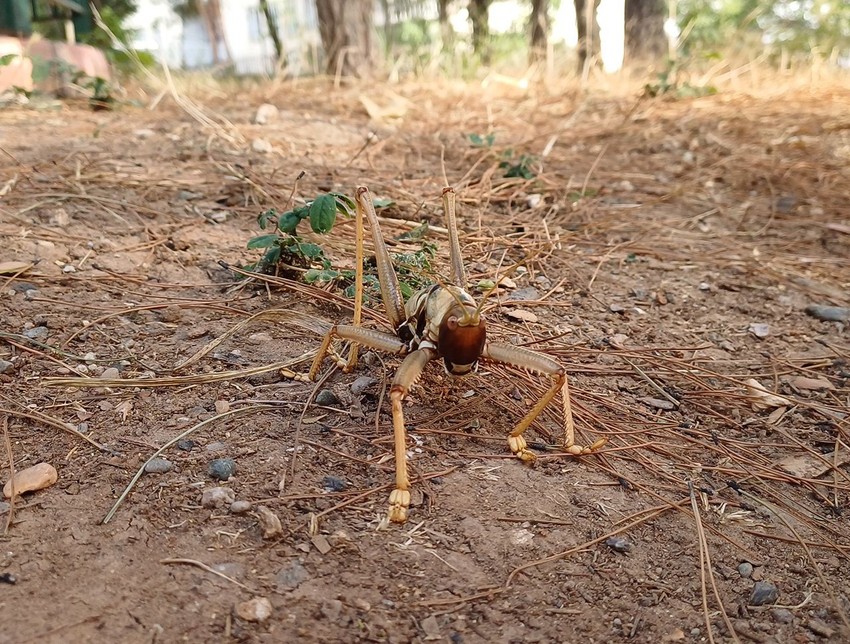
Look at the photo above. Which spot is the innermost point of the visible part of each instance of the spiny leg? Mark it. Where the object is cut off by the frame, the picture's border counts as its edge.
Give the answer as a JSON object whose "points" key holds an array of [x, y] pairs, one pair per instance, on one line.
{"points": [[371, 338], [406, 376], [525, 359], [358, 281]]}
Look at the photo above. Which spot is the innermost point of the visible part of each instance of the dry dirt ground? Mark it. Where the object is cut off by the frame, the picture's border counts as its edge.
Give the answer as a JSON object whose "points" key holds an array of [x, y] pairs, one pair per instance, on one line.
{"points": [[669, 252]]}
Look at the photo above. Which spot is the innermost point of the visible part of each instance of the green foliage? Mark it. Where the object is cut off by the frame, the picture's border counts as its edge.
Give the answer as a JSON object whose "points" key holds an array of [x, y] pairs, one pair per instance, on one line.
{"points": [[285, 247], [7, 60], [519, 167], [670, 82], [479, 141]]}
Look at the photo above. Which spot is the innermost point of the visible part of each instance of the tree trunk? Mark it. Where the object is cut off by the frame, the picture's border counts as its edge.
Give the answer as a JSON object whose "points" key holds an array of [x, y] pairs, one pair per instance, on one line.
{"points": [[479, 16], [588, 32], [645, 37], [539, 29], [273, 32], [346, 30], [446, 31]]}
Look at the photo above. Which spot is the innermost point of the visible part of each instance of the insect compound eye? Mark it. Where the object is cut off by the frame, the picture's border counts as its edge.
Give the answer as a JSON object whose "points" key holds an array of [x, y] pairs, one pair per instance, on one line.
{"points": [[451, 323]]}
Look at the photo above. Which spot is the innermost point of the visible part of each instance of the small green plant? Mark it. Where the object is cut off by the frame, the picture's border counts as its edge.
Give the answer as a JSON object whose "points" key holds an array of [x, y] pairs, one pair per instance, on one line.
{"points": [[518, 167], [101, 90], [284, 246], [669, 83], [479, 141], [7, 59]]}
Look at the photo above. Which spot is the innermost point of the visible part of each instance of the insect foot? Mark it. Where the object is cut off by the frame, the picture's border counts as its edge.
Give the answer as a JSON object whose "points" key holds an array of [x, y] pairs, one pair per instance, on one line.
{"points": [[520, 448], [399, 502]]}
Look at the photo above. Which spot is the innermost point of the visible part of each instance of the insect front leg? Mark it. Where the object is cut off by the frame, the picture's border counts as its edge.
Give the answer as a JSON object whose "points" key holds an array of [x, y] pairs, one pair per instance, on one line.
{"points": [[539, 363], [371, 338], [406, 376]]}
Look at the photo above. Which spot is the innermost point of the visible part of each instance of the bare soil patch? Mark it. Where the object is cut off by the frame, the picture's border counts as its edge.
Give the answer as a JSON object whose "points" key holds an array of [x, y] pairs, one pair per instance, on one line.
{"points": [[673, 249]]}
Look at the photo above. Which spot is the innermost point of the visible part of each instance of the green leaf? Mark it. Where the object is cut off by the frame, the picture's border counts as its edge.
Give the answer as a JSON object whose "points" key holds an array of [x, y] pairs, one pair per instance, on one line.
{"points": [[287, 222], [311, 251], [482, 141], [7, 59], [263, 241], [264, 217], [417, 233], [344, 203], [383, 202], [271, 257], [323, 214], [320, 275]]}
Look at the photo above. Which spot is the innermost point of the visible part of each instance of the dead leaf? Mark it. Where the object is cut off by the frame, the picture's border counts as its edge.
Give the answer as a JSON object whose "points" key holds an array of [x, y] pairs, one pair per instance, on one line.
{"points": [[813, 384], [809, 466], [761, 398], [321, 543], [522, 315], [123, 409], [269, 522], [618, 340], [9, 268]]}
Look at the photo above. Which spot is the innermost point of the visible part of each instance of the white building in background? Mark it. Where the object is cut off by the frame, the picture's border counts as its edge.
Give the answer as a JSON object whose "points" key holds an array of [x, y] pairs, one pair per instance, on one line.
{"points": [[185, 42]]}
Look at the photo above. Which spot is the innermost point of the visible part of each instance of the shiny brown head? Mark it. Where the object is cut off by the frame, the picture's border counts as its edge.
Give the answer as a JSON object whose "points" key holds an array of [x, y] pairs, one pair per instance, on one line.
{"points": [[462, 337]]}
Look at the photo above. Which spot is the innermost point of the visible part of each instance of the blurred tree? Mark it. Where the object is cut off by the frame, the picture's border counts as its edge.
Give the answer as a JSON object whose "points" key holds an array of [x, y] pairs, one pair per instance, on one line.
{"points": [[346, 28], [645, 37], [539, 29], [479, 16], [271, 23], [588, 32], [446, 31]]}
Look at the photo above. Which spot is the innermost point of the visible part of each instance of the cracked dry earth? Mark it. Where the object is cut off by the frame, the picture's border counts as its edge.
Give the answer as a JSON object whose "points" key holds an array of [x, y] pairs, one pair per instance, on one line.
{"points": [[671, 250]]}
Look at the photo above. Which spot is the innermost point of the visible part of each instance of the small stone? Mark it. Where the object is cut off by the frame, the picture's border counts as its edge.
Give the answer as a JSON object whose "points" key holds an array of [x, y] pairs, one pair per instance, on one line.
{"points": [[185, 444], [326, 398], [331, 609], [258, 609], [359, 386], [8, 578], [657, 403], [269, 522], [695, 632], [266, 113], [704, 286], [240, 507], [617, 622], [525, 293], [31, 479], [260, 338], [5, 366], [216, 497], [90, 357], [618, 544], [219, 216], [158, 466], [334, 484], [143, 133], [69, 268], [819, 627], [763, 593], [618, 340], [215, 446], [745, 569], [110, 373], [782, 615], [222, 406], [4, 507], [617, 308], [533, 200], [36, 332], [291, 576], [521, 537], [221, 468], [262, 146], [431, 627], [829, 313], [759, 329]]}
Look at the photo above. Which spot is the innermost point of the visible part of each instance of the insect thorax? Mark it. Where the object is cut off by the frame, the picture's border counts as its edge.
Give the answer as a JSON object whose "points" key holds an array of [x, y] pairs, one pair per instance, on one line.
{"points": [[425, 310]]}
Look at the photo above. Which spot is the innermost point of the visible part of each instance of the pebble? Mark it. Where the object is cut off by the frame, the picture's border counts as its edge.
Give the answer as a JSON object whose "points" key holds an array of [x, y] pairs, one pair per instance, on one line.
{"points": [[657, 403], [216, 497], [819, 627], [321, 543], [4, 507], [525, 293], [31, 479], [36, 332], [262, 146], [745, 569], [829, 313], [522, 315], [185, 444], [326, 398], [23, 287], [291, 576], [158, 466], [258, 609], [219, 216], [759, 329], [240, 507], [269, 522], [812, 384], [782, 615], [763, 593], [260, 338], [359, 386], [222, 468], [695, 632], [334, 484], [5, 366], [215, 446], [111, 373], [331, 609], [618, 544], [266, 113]]}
